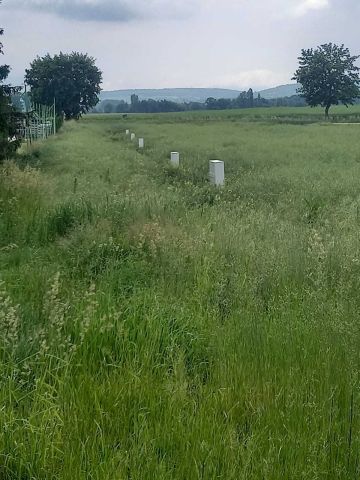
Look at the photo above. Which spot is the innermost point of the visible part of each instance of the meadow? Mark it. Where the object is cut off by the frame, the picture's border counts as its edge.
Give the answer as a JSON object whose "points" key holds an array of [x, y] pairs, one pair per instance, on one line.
{"points": [[153, 326]]}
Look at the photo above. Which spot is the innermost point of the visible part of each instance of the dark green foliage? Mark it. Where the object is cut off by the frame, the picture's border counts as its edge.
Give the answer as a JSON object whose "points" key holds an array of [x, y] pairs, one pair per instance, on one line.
{"points": [[328, 76], [247, 100], [8, 117], [8, 142], [108, 108], [73, 80], [244, 100], [59, 122]]}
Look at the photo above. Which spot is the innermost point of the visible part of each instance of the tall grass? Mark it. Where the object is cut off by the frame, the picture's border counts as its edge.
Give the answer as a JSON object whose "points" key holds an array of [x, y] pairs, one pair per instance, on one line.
{"points": [[154, 327]]}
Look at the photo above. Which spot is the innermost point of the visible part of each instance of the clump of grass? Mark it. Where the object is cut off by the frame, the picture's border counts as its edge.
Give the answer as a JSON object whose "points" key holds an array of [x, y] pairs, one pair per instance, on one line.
{"points": [[9, 322], [61, 221]]}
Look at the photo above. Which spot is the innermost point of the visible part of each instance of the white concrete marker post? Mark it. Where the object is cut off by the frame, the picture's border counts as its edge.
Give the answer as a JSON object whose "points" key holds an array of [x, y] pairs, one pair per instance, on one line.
{"points": [[141, 143], [175, 158], [133, 136], [127, 132], [217, 173]]}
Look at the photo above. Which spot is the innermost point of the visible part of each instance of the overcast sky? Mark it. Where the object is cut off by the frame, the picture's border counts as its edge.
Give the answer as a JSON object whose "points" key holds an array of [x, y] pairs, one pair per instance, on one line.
{"points": [[178, 43]]}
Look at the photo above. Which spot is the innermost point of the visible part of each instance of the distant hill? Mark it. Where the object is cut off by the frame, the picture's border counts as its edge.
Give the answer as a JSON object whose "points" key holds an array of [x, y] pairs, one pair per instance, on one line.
{"points": [[178, 95], [181, 95], [281, 91]]}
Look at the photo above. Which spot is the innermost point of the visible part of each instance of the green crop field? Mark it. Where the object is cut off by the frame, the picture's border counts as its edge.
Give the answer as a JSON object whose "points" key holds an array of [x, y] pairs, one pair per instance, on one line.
{"points": [[155, 327]]}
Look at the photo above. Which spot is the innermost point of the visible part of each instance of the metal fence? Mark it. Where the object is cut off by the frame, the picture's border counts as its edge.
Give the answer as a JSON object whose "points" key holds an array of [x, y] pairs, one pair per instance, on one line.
{"points": [[39, 123], [34, 121]]}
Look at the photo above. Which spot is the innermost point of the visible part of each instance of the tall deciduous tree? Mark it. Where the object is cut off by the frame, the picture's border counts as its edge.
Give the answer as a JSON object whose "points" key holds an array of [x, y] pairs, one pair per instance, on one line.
{"points": [[73, 80], [8, 123], [328, 76]]}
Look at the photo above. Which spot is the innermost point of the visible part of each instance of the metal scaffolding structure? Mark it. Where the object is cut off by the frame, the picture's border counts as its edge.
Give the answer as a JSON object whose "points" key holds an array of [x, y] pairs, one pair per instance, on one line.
{"points": [[36, 121]]}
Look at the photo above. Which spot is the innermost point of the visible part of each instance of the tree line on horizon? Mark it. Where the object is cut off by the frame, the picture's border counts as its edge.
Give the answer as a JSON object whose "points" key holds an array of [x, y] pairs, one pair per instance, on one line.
{"points": [[245, 99]]}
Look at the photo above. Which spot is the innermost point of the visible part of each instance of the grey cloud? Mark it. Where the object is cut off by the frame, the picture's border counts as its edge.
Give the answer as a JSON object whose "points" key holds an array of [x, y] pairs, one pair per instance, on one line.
{"points": [[94, 12], [108, 10], [83, 10]]}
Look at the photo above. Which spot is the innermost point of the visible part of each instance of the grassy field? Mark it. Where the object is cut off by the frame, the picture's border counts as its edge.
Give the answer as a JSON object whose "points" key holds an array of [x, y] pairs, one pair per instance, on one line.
{"points": [[288, 115], [154, 327]]}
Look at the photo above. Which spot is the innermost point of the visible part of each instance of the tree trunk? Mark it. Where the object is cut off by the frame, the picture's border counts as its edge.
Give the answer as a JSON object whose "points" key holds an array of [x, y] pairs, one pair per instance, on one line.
{"points": [[327, 112]]}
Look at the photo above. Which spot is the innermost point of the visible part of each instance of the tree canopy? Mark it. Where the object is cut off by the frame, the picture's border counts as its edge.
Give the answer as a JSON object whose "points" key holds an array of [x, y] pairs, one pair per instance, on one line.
{"points": [[73, 80], [328, 76], [8, 123]]}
